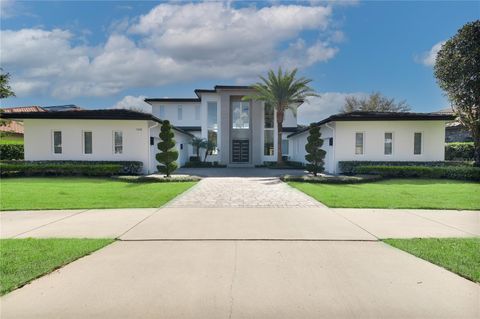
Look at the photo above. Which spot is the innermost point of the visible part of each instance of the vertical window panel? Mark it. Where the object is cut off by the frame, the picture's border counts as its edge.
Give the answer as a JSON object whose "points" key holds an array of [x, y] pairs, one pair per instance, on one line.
{"points": [[388, 144], [179, 113], [268, 143], [118, 142], [417, 143], [87, 142], [57, 142], [359, 139]]}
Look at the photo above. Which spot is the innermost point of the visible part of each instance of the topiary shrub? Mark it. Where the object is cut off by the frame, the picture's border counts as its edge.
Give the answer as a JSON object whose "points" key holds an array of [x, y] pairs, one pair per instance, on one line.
{"points": [[315, 154], [168, 153], [11, 151]]}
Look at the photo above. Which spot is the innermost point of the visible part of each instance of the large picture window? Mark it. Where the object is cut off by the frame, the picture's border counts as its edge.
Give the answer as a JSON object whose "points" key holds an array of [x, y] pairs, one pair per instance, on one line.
{"points": [[57, 142], [268, 145], [417, 143], [241, 115], [87, 142], [359, 143], [118, 142], [388, 144], [212, 124]]}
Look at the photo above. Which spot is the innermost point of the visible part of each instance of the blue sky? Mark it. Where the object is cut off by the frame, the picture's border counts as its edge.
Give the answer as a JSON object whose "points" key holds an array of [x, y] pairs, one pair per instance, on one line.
{"points": [[104, 54]]}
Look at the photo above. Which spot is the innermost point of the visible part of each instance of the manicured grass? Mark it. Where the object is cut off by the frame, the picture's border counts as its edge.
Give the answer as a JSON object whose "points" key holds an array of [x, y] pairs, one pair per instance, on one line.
{"points": [[460, 255], [77, 192], [22, 260], [397, 193], [11, 139]]}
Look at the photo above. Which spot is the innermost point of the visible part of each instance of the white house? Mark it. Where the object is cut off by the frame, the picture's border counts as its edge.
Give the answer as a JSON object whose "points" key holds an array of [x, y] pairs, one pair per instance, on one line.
{"points": [[245, 132]]}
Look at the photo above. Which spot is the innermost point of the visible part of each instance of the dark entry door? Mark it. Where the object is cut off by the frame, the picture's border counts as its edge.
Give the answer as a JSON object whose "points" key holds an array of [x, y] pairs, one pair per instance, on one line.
{"points": [[240, 151]]}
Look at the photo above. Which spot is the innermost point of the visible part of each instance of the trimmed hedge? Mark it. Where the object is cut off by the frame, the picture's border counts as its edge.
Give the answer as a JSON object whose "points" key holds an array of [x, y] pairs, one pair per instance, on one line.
{"points": [[350, 167], [450, 172], [11, 151], [459, 151], [332, 179], [203, 165], [86, 168]]}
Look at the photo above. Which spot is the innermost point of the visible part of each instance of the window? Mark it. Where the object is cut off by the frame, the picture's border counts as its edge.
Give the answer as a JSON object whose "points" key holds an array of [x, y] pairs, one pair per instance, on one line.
{"points": [[388, 144], [268, 147], [118, 142], [212, 124], [87, 142], [359, 143], [161, 111], [330, 141], [180, 113], [417, 143], [57, 142], [197, 112], [241, 115], [284, 147]]}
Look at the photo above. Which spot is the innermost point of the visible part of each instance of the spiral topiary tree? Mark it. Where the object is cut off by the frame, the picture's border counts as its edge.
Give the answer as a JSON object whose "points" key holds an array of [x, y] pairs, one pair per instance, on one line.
{"points": [[168, 153], [315, 154]]}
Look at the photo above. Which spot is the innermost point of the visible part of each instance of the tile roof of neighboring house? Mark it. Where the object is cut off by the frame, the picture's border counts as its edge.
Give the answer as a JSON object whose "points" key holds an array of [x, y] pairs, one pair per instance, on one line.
{"points": [[19, 109], [382, 116], [101, 114], [12, 127]]}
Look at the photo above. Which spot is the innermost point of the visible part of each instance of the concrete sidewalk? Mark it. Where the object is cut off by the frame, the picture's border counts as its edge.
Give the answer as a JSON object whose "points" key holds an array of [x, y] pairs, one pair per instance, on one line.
{"points": [[246, 279], [240, 223]]}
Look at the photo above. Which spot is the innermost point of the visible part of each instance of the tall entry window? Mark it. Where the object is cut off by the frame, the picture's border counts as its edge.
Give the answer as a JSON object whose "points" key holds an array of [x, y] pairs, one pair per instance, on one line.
{"points": [[212, 124], [268, 130], [241, 115]]}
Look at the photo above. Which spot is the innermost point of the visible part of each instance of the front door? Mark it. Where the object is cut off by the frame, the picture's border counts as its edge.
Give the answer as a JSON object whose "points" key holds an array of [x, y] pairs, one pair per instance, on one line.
{"points": [[240, 131]]}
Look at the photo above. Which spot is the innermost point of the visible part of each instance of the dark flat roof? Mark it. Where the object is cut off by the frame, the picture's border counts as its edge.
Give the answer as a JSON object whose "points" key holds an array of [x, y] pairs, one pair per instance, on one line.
{"points": [[190, 128], [168, 99], [381, 116], [103, 114]]}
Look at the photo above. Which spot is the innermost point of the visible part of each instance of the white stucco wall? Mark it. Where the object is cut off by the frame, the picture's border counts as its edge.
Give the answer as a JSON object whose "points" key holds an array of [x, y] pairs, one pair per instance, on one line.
{"points": [[433, 140], [189, 113], [38, 140]]}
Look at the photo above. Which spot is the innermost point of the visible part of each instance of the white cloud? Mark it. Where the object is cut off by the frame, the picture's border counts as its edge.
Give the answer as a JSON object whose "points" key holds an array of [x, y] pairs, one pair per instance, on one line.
{"points": [[173, 42], [318, 108], [133, 103], [428, 58]]}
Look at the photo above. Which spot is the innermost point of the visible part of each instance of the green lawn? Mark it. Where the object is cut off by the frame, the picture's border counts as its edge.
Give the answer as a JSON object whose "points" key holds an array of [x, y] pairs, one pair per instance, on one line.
{"points": [[460, 255], [78, 192], [22, 260], [397, 193], [10, 139]]}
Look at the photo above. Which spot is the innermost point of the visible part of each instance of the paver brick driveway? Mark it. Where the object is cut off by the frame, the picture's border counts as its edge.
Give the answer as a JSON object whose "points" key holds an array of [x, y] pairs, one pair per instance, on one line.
{"points": [[243, 192]]}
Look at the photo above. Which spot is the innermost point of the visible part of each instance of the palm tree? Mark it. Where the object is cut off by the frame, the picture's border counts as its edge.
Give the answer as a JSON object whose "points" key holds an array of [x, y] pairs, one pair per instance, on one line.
{"points": [[197, 143], [283, 91]]}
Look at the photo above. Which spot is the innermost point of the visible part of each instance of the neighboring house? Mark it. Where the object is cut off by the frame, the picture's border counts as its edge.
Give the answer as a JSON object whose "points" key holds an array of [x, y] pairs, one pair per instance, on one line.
{"points": [[16, 127], [245, 132], [454, 130]]}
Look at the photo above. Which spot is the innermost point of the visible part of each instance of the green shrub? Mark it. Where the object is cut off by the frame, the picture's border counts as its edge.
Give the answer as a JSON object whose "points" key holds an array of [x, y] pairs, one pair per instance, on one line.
{"points": [[86, 168], [203, 164], [335, 179], [350, 167], [450, 172], [459, 151], [11, 151]]}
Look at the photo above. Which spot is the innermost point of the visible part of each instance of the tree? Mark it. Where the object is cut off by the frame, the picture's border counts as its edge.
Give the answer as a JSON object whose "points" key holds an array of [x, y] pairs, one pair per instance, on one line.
{"points": [[168, 153], [5, 89], [375, 102], [315, 154], [209, 147], [284, 91], [457, 69], [198, 143]]}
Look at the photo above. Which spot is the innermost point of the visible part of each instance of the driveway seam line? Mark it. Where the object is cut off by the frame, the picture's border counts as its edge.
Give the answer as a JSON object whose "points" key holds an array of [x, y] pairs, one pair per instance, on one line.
{"points": [[246, 239], [234, 274], [438, 222], [52, 222], [138, 223]]}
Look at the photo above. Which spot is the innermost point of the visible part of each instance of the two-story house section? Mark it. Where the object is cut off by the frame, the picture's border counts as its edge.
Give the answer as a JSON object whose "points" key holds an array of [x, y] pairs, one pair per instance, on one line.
{"points": [[245, 132]]}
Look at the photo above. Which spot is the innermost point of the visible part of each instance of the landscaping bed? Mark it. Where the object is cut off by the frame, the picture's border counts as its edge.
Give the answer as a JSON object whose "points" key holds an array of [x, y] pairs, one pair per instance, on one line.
{"points": [[332, 179], [459, 255], [23, 260], [397, 193], [34, 193]]}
